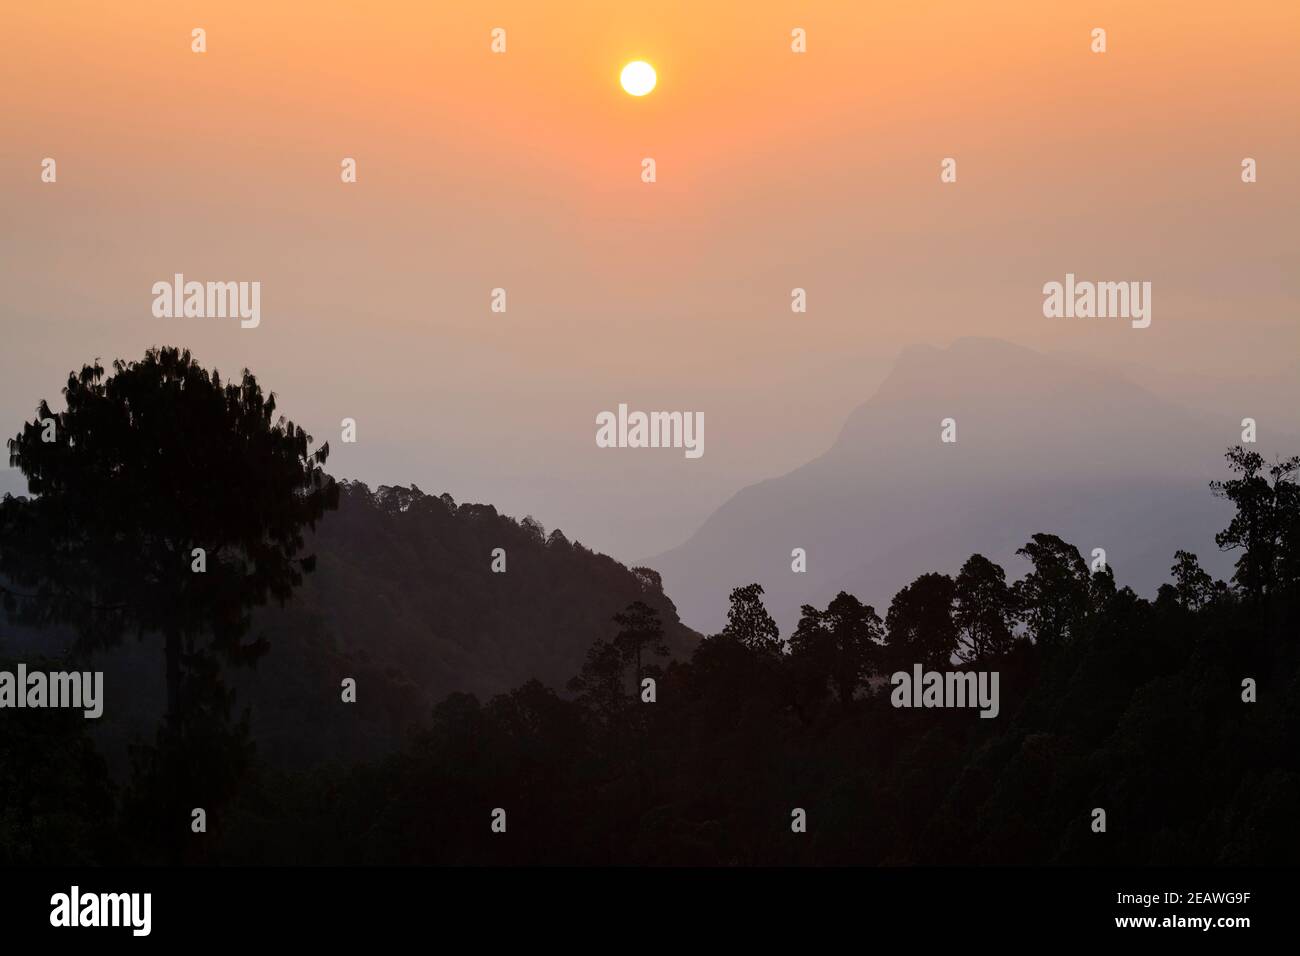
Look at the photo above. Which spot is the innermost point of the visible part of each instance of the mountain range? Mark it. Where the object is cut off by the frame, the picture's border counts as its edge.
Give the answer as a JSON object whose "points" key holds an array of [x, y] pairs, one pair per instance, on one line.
{"points": [[1044, 443]]}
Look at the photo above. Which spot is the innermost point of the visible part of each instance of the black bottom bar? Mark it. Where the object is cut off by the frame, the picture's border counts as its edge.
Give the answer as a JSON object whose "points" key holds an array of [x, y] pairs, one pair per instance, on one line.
{"points": [[536, 906]]}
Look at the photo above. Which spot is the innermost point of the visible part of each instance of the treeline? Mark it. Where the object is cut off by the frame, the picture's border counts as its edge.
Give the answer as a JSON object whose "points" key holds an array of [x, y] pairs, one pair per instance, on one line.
{"points": [[1178, 716], [173, 506]]}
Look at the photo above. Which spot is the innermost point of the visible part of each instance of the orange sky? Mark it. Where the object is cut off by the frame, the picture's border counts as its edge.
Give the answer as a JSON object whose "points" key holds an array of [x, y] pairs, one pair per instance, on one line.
{"points": [[522, 170]]}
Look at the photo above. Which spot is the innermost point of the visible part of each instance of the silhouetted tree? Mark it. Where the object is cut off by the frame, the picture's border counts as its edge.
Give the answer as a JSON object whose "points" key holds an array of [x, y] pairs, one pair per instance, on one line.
{"points": [[920, 622], [1055, 596], [1265, 524], [839, 645], [601, 687], [748, 621], [984, 609], [640, 631], [140, 470], [1193, 588], [1101, 588], [146, 465]]}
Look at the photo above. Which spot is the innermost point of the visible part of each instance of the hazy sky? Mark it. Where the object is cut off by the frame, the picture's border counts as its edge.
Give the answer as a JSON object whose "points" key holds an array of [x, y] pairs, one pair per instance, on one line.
{"points": [[522, 170]]}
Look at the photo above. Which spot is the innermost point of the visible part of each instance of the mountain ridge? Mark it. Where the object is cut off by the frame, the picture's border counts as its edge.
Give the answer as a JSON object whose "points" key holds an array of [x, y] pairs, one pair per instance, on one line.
{"points": [[1043, 444]]}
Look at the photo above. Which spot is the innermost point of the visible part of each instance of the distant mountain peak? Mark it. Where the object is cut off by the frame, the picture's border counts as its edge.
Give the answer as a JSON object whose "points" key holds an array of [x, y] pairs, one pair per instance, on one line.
{"points": [[1044, 444]]}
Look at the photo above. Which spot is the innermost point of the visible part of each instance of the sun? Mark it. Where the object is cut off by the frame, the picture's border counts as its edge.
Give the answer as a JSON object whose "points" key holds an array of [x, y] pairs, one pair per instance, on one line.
{"points": [[638, 78]]}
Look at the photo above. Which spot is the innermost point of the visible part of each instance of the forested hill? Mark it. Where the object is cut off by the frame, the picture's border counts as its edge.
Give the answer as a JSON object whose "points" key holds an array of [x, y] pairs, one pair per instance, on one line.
{"points": [[404, 600], [406, 578]]}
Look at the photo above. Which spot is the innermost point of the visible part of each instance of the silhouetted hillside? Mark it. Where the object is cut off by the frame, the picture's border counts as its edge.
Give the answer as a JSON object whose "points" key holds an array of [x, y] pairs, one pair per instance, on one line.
{"points": [[416, 569], [404, 600]]}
